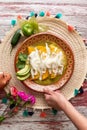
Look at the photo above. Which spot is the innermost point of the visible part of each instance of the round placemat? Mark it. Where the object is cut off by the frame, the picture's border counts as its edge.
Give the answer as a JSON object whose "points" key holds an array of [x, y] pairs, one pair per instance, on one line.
{"points": [[74, 40]]}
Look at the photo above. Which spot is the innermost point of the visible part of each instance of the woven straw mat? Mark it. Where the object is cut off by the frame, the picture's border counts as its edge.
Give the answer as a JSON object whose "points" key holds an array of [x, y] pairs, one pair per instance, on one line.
{"points": [[58, 27]]}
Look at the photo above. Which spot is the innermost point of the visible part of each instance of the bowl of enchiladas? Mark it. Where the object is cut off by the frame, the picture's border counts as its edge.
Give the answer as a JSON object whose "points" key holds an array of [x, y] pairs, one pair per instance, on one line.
{"points": [[46, 61]]}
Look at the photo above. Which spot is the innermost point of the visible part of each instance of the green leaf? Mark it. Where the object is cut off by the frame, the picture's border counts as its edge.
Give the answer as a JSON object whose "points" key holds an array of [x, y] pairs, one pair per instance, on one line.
{"points": [[2, 118], [22, 57], [21, 60], [8, 95], [18, 101], [12, 101], [20, 65]]}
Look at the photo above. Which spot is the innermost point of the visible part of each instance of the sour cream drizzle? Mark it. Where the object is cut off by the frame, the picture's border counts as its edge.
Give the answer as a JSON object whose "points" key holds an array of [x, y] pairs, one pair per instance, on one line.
{"points": [[51, 61]]}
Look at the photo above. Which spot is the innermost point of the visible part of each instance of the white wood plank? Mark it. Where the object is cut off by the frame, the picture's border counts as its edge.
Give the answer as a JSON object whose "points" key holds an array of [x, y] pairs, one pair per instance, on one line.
{"points": [[38, 123], [49, 1]]}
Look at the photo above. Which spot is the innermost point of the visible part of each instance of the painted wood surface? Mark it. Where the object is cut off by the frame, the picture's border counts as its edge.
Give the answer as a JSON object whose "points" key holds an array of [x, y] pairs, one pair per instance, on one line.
{"points": [[75, 13]]}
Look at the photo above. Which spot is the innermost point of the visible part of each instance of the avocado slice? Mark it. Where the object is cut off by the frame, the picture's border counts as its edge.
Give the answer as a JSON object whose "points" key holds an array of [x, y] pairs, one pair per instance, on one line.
{"points": [[24, 70], [23, 74], [23, 77]]}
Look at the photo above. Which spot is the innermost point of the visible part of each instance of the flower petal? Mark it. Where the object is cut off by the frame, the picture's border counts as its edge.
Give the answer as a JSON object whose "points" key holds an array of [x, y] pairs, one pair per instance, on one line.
{"points": [[13, 91]]}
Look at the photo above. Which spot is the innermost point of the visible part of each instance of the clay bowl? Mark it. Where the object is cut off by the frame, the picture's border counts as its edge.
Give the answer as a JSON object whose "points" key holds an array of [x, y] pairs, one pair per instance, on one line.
{"points": [[68, 52]]}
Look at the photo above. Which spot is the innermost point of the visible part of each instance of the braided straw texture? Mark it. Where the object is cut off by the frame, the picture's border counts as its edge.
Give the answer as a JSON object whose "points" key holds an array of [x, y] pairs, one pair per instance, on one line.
{"points": [[58, 27]]}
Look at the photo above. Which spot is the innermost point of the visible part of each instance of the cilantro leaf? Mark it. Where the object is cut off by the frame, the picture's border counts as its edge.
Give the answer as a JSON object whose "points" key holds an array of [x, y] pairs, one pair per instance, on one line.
{"points": [[20, 65], [21, 61], [22, 57]]}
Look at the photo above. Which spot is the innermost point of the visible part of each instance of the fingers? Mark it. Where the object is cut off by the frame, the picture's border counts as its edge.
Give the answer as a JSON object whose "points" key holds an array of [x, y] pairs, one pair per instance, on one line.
{"points": [[48, 91], [58, 91], [47, 96], [7, 76]]}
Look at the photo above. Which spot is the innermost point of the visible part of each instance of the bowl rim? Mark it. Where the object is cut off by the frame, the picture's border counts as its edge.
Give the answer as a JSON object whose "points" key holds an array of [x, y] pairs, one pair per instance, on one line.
{"points": [[38, 34]]}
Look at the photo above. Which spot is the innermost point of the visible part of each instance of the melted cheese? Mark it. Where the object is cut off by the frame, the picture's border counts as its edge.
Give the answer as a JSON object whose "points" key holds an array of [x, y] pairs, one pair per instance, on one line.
{"points": [[45, 60]]}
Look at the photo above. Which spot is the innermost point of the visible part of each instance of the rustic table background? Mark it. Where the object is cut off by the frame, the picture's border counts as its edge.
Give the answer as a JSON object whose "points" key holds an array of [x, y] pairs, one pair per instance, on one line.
{"points": [[75, 13]]}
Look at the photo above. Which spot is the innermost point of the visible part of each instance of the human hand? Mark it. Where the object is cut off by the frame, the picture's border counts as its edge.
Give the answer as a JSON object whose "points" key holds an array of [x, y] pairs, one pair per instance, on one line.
{"points": [[4, 79], [55, 99]]}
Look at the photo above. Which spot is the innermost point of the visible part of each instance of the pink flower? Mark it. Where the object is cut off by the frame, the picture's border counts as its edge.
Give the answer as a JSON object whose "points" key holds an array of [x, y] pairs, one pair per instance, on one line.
{"points": [[14, 91], [32, 99], [27, 97], [23, 96]]}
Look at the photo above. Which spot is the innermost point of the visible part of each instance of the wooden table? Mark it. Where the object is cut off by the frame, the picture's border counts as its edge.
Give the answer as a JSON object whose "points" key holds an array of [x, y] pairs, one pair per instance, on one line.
{"points": [[75, 13]]}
